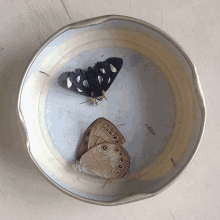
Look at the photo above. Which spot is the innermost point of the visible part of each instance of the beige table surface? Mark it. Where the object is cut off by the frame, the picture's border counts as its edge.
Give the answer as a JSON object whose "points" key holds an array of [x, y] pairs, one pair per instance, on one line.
{"points": [[25, 25]]}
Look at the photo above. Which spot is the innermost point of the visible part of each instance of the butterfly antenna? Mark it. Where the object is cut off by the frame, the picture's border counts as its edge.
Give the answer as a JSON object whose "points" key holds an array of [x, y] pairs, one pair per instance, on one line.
{"points": [[85, 102]]}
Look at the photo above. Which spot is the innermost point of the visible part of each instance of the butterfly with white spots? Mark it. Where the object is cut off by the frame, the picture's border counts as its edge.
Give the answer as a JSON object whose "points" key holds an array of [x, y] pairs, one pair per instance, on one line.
{"points": [[93, 82], [101, 152]]}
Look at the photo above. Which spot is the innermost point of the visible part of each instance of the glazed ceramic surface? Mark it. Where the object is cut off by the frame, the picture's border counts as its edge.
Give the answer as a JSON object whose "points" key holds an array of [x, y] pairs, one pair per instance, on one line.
{"points": [[155, 102]]}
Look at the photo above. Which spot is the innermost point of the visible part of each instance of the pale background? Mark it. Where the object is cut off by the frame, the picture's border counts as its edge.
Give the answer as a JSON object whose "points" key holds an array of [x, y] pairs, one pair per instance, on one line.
{"points": [[25, 25]]}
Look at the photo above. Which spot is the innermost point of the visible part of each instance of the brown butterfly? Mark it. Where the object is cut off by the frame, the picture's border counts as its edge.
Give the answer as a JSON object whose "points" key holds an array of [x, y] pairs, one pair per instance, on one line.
{"points": [[101, 152]]}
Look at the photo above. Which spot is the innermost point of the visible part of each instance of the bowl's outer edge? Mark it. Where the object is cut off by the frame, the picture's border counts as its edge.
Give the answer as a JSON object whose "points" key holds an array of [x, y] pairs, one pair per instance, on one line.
{"points": [[90, 22]]}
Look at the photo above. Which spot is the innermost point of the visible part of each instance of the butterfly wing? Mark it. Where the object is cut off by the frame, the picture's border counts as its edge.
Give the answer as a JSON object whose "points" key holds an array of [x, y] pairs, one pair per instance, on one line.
{"points": [[100, 131], [104, 131], [105, 160], [83, 147], [93, 81], [101, 152], [107, 71], [75, 81]]}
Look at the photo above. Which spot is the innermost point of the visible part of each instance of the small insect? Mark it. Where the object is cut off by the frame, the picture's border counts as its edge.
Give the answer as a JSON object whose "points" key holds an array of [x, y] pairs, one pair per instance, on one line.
{"points": [[101, 152], [93, 82], [150, 129]]}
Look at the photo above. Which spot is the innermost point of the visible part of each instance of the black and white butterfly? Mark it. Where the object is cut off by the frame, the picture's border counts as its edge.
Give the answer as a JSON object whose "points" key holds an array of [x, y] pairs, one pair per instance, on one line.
{"points": [[93, 82]]}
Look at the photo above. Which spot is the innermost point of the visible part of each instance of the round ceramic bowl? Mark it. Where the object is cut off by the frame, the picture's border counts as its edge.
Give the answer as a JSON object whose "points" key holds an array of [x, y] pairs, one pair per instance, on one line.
{"points": [[155, 101]]}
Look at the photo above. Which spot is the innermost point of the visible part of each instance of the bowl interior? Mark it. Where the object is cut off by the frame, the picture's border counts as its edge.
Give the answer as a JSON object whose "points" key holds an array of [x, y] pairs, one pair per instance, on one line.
{"points": [[152, 102], [140, 81]]}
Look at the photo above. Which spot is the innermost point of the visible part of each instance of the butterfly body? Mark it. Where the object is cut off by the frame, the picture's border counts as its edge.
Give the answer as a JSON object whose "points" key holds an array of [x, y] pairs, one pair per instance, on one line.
{"points": [[101, 152], [93, 82]]}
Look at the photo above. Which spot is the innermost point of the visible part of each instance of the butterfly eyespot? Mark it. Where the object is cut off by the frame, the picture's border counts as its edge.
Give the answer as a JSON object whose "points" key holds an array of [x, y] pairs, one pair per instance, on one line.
{"points": [[113, 69], [110, 133], [104, 147], [120, 166], [85, 83], [79, 90], [121, 153], [68, 82], [121, 159], [78, 78], [102, 70], [116, 149], [115, 137], [109, 80], [100, 79], [117, 172]]}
